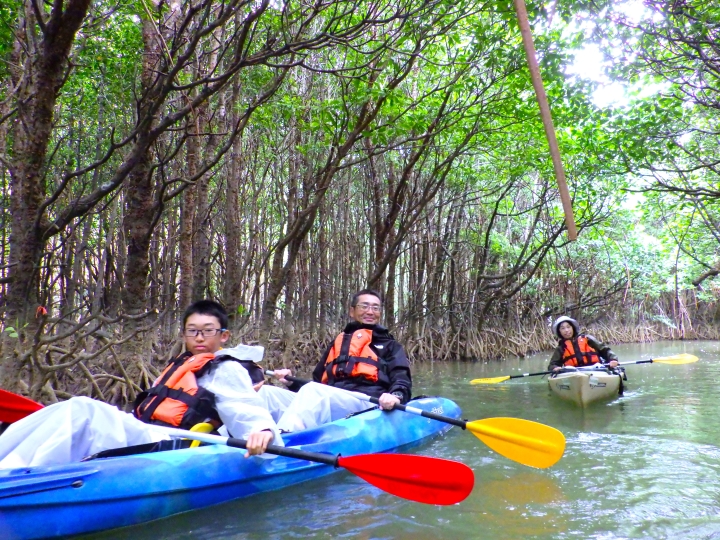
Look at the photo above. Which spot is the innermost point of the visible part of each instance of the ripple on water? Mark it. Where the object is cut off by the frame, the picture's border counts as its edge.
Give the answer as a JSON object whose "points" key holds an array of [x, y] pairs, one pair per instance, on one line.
{"points": [[641, 486]]}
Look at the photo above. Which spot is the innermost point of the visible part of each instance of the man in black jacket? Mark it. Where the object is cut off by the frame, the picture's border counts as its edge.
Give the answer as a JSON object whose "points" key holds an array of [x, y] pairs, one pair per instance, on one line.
{"points": [[363, 358]]}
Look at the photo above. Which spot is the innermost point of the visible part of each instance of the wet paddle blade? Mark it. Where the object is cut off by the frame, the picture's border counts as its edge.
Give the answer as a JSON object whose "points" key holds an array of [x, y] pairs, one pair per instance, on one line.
{"points": [[417, 478], [14, 407], [530, 443], [677, 359], [491, 380]]}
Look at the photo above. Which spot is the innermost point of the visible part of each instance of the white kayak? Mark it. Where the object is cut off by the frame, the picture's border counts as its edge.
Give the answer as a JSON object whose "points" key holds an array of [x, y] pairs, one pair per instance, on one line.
{"points": [[585, 387]]}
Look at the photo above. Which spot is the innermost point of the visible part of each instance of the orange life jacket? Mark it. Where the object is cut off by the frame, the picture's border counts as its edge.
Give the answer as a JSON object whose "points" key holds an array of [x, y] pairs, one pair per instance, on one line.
{"points": [[352, 357], [578, 352], [175, 398]]}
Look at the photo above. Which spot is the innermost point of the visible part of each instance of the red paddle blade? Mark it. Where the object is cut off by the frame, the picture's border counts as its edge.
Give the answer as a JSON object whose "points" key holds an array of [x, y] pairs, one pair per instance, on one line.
{"points": [[14, 407], [417, 478]]}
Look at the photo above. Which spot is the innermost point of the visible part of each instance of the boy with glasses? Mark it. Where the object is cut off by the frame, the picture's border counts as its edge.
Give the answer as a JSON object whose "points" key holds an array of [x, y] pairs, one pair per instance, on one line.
{"points": [[363, 358], [71, 430], [209, 383]]}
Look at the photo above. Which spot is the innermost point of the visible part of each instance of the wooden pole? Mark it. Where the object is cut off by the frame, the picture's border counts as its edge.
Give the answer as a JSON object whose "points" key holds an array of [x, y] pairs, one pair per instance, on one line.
{"points": [[527, 39]]}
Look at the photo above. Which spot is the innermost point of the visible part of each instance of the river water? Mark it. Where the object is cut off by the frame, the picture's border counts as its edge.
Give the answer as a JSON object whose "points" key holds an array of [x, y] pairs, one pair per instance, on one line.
{"points": [[645, 465]]}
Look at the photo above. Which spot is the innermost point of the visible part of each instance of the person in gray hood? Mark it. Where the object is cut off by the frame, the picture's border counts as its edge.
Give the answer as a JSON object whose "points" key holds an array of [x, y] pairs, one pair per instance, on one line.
{"points": [[575, 349]]}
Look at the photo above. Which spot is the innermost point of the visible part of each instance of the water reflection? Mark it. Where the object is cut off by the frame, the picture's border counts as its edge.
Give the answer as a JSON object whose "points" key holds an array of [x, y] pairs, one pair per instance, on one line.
{"points": [[597, 417], [519, 505]]}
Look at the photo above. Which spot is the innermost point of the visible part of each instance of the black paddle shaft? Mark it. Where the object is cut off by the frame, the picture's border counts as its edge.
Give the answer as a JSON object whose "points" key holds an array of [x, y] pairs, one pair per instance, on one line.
{"points": [[426, 414], [584, 368], [530, 374], [327, 459]]}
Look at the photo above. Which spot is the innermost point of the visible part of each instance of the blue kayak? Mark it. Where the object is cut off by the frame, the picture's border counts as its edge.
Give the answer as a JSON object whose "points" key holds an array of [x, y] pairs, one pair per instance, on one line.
{"points": [[101, 494]]}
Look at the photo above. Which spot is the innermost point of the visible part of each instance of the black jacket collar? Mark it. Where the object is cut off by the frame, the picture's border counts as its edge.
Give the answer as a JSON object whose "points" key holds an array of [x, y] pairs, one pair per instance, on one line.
{"points": [[354, 325]]}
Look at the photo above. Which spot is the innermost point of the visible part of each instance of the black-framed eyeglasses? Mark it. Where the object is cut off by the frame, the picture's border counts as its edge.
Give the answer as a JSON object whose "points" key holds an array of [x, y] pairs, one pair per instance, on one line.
{"points": [[206, 332], [369, 307]]}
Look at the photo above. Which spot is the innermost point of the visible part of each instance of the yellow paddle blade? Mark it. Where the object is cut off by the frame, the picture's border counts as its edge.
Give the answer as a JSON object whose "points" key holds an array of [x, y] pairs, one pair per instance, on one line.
{"points": [[491, 380], [524, 441], [677, 359], [202, 427]]}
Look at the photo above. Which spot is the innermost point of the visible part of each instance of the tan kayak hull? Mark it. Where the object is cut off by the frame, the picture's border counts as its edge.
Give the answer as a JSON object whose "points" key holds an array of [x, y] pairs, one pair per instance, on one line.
{"points": [[585, 387]]}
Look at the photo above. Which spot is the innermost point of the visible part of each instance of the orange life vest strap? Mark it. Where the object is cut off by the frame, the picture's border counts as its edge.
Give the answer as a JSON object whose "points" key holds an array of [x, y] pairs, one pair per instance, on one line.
{"points": [[172, 376], [352, 357], [582, 355]]}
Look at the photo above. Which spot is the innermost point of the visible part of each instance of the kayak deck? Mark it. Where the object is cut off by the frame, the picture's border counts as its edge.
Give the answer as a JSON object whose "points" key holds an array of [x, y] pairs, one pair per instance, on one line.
{"points": [[77, 498], [585, 387]]}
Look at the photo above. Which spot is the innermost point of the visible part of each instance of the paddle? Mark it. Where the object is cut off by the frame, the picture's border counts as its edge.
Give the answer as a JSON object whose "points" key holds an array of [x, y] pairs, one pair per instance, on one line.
{"points": [[417, 478], [530, 443], [14, 407], [673, 360]]}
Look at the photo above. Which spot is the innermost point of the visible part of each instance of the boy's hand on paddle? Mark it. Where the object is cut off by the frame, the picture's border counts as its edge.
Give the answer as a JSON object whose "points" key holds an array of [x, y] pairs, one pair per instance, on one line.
{"points": [[613, 363], [258, 442], [388, 401], [280, 375]]}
